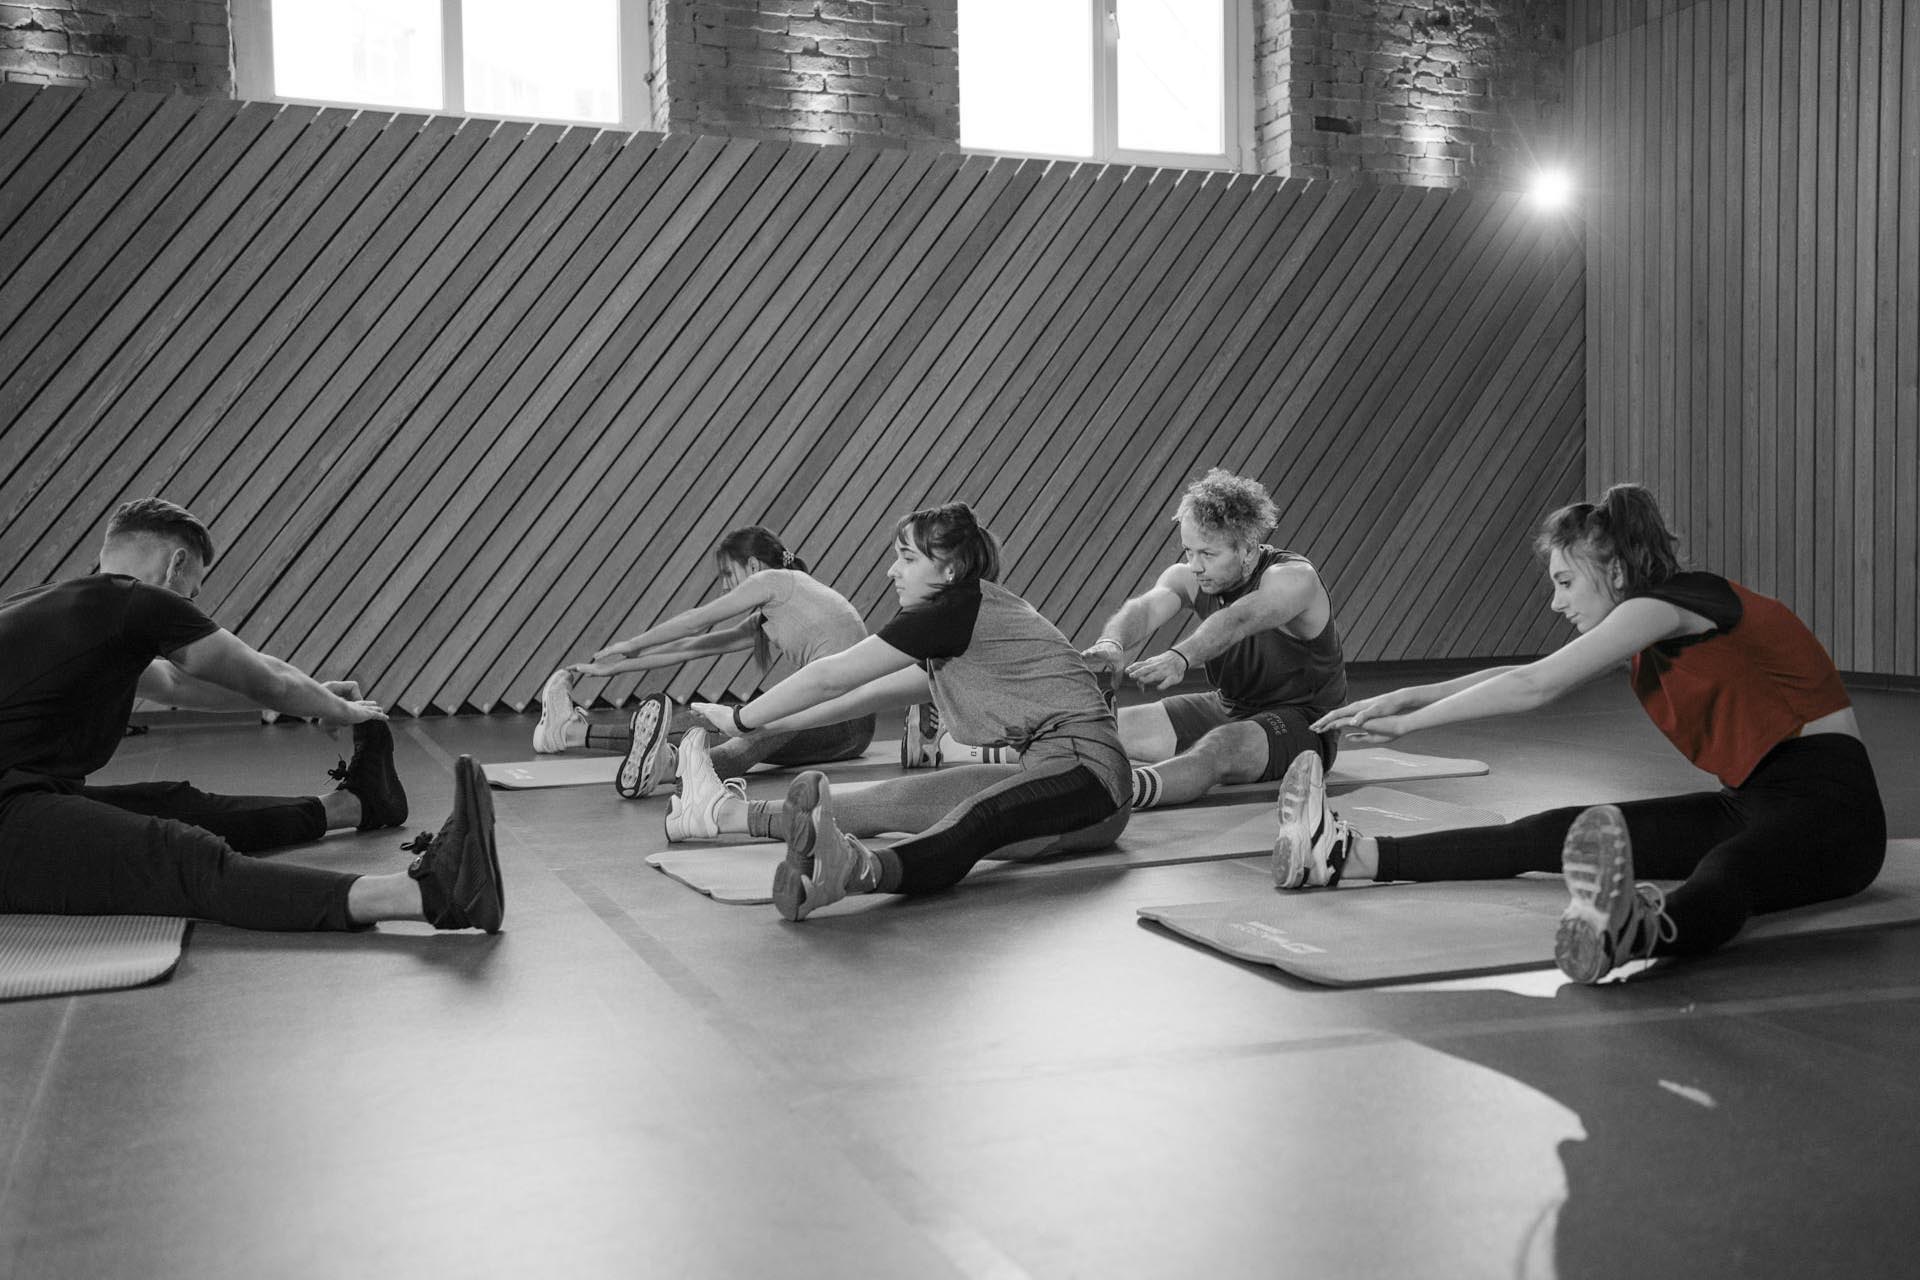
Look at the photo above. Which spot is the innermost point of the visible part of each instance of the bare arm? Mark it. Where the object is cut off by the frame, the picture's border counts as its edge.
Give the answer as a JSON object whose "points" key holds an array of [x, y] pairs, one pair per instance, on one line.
{"points": [[674, 652], [1399, 701], [888, 693], [1285, 591], [1136, 620], [752, 594], [1632, 626], [819, 687], [230, 664]]}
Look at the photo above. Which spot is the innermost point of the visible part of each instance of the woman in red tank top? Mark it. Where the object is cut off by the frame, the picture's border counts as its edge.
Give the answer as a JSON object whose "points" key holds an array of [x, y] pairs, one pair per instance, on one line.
{"points": [[1733, 679]]}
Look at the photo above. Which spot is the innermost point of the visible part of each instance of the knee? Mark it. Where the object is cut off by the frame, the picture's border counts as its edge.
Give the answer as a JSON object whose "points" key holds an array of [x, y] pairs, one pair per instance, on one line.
{"points": [[1237, 752]]}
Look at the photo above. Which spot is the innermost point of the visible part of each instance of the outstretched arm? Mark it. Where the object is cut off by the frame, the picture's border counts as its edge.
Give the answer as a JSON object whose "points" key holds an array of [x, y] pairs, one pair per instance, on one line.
{"points": [[231, 665], [752, 594], [1284, 593], [1632, 626], [816, 693], [888, 693], [674, 652], [1136, 620]]}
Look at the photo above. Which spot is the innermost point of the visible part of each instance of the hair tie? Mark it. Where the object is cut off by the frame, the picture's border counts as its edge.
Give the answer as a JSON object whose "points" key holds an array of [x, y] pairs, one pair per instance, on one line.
{"points": [[786, 558]]}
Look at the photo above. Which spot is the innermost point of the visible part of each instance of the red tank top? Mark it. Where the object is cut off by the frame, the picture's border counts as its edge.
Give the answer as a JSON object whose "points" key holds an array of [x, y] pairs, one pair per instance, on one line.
{"points": [[1728, 697]]}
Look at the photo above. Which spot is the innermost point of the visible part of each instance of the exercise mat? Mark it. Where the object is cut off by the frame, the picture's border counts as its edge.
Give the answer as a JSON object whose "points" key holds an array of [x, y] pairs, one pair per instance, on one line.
{"points": [[1419, 932], [66, 955]]}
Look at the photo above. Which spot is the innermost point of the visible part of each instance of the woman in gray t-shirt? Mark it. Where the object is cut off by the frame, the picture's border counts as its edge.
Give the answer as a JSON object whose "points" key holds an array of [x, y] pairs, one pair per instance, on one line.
{"points": [[1000, 674], [776, 609]]}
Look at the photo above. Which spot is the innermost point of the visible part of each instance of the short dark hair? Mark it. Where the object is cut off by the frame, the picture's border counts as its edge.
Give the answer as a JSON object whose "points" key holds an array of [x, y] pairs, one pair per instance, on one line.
{"points": [[950, 534], [159, 518]]}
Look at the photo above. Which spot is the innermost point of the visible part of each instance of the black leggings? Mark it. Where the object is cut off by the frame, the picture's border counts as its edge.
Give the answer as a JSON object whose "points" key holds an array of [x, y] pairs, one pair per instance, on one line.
{"points": [[1054, 806], [162, 848], [1806, 826]]}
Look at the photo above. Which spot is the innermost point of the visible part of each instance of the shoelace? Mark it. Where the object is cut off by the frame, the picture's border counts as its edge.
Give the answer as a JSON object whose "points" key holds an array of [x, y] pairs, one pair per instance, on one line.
{"points": [[1342, 840], [419, 844], [1650, 925], [339, 772]]}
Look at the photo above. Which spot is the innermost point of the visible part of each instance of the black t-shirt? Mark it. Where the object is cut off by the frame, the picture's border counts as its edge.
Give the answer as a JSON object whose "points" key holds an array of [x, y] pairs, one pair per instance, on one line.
{"points": [[940, 628], [74, 653]]}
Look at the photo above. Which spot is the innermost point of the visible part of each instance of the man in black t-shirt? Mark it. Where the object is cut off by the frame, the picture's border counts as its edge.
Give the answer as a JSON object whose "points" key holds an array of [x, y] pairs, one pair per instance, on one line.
{"points": [[1267, 641], [79, 652]]}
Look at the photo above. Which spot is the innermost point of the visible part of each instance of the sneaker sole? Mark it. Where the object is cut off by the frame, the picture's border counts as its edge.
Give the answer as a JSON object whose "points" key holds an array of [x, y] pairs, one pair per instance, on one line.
{"points": [[790, 877], [474, 796], [1594, 862], [397, 816], [637, 777], [1293, 844]]}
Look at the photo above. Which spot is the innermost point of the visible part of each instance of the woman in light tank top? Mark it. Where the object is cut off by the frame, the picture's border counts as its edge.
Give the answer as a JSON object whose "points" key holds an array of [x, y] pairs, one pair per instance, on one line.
{"points": [[1732, 678], [1000, 674], [771, 606]]}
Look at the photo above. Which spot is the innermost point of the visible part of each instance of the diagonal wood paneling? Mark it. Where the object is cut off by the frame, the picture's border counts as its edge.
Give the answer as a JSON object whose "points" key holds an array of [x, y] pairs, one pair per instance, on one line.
{"points": [[465, 399], [1753, 258]]}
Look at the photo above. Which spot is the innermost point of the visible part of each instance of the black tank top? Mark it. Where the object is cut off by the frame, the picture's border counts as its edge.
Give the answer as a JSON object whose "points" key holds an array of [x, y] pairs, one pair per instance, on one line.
{"points": [[1271, 669]]}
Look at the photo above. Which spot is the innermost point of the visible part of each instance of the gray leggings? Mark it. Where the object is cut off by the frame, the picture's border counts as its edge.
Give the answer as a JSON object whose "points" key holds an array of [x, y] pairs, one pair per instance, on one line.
{"points": [[843, 741]]}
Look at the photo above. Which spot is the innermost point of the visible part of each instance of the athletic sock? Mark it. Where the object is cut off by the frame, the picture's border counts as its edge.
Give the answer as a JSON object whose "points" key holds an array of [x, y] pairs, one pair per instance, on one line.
{"points": [[1146, 787], [767, 819], [609, 737]]}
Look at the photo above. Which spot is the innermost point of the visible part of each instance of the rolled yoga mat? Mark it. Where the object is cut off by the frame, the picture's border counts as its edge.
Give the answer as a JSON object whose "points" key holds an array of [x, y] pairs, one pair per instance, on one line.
{"points": [[1452, 929], [65, 955], [742, 874]]}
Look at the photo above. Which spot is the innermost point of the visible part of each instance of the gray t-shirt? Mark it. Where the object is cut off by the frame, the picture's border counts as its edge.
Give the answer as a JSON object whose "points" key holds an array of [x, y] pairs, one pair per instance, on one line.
{"points": [[806, 619], [1001, 673]]}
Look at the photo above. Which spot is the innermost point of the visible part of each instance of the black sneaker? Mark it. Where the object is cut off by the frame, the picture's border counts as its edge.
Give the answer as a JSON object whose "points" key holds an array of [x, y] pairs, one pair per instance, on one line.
{"points": [[459, 869], [370, 776]]}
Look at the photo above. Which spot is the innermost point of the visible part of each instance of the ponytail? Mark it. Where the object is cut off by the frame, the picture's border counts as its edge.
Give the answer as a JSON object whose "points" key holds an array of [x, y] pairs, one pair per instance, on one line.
{"points": [[757, 542], [1624, 528], [951, 535]]}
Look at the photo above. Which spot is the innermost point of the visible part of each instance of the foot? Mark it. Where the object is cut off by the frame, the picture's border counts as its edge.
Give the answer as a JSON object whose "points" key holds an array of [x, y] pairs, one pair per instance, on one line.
{"points": [[694, 813], [823, 864], [370, 777], [459, 869], [1609, 919], [1313, 842], [920, 745], [557, 713], [643, 769]]}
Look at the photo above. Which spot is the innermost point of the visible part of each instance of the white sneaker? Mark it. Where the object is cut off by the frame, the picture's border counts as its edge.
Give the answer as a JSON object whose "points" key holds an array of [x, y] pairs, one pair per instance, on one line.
{"points": [[556, 713], [920, 744], [1609, 919], [1312, 843], [694, 813], [640, 770]]}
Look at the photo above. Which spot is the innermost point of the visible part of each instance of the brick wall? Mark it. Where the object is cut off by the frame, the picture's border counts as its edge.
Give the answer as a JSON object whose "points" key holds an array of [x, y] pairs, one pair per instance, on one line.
{"points": [[1443, 93], [161, 46], [861, 72]]}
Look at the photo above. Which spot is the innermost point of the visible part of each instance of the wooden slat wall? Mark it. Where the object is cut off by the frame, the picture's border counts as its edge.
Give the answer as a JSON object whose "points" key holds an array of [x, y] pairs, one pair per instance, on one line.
{"points": [[464, 400], [1753, 299]]}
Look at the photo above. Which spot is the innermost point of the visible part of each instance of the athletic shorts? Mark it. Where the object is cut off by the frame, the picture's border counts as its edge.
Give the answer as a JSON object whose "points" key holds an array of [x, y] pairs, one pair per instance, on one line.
{"points": [[1195, 715]]}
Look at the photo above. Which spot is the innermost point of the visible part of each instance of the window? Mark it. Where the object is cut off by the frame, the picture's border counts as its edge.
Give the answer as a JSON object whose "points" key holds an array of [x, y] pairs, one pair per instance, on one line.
{"points": [[569, 60], [1141, 81]]}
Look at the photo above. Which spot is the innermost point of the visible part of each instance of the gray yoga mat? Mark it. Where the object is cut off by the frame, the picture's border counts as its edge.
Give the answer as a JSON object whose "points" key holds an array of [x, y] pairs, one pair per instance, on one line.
{"points": [[1366, 935], [742, 874], [65, 955]]}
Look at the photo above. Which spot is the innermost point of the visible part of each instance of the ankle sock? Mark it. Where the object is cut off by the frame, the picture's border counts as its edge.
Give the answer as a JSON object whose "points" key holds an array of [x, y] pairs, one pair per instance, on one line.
{"points": [[766, 819], [1146, 787]]}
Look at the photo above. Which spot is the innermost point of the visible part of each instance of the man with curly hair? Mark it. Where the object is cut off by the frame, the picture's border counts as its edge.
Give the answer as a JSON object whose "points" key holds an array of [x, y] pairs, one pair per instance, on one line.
{"points": [[1267, 641]]}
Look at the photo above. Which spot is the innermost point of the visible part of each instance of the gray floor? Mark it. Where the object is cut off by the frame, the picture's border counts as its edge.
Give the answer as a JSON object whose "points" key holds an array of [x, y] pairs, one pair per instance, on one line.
{"points": [[1015, 1079]]}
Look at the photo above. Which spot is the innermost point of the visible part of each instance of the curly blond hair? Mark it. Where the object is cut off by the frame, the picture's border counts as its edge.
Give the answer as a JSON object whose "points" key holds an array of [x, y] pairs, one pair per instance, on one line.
{"points": [[1222, 502]]}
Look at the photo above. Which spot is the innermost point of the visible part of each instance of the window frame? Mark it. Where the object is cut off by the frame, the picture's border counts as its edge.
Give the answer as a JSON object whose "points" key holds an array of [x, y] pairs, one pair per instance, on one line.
{"points": [[1236, 91], [253, 68]]}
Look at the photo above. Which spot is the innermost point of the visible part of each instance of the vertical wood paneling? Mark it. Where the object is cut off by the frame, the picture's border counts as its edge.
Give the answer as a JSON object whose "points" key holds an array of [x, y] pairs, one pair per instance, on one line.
{"points": [[463, 400], [1779, 283]]}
